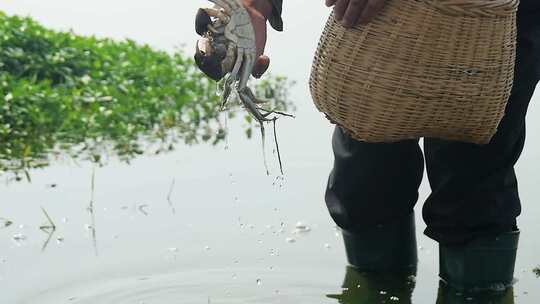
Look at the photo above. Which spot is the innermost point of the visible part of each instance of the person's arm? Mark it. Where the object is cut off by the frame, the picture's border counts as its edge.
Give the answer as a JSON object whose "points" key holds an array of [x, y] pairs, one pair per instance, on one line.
{"points": [[261, 11], [348, 12], [353, 12]]}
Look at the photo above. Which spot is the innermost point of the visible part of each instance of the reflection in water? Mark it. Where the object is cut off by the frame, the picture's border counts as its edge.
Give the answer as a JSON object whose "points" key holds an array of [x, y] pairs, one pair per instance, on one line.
{"points": [[372, 287], [169, 200], [64, 94], [450, 296], [49, 229], [4, 223], [92, 226]]}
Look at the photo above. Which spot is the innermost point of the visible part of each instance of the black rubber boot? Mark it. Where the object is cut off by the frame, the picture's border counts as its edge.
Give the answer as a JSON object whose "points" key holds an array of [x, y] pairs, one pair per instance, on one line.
{"points": [[383, 247], [486, 263]]}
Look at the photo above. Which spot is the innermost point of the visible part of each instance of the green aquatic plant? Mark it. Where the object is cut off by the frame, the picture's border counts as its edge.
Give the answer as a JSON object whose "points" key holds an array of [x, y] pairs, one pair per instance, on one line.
{"points": [[65, 94]]}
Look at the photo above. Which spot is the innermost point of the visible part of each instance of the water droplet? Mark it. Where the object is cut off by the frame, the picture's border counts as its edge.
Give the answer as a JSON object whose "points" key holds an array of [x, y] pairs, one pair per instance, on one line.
{"points": [[302, 228], [327, 246], [394, 298], [88, 227], [271, 268], [290, 240], [22, 226], [259, 282], [142, 209], [59, 240], [65, 220], [207, 248], [382, 292], [358, 286], [19, 237]]}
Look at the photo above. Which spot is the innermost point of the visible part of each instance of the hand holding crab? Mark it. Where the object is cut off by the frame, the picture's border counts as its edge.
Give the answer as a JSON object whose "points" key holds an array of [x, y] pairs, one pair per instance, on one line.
{"points": [[229, 48]]}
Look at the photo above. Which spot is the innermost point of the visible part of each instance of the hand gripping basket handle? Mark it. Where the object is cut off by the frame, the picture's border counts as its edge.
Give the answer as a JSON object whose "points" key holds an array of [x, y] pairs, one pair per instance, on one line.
{"points": [[475, 8]]}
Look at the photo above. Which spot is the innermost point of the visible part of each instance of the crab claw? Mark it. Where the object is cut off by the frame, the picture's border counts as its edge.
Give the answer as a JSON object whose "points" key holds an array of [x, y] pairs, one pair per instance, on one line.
{"points": [[207, 61], [202, 21]]}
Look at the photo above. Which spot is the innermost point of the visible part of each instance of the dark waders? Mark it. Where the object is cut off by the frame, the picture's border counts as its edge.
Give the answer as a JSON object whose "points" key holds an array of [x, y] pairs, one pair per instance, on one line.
{"points": [[474, 203]]}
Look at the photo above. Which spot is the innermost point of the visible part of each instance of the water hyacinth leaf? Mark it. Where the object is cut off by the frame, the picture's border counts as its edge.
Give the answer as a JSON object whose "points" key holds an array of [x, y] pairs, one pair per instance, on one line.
{"points": [[87, 97]]}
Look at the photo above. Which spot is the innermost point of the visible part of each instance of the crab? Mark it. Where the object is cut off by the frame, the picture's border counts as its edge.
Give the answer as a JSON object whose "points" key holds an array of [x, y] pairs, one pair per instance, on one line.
{"points": [[227, 50]]}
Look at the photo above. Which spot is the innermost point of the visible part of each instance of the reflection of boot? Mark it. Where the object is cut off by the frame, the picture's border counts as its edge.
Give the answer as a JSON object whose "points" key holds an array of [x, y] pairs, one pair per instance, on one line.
{"points": [[383, 247], [376, 287], [448, 295], [485, 263]]}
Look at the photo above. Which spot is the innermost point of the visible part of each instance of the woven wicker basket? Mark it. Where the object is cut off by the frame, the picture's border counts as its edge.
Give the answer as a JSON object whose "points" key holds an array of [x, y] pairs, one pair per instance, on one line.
{"points": [[422, 68]]}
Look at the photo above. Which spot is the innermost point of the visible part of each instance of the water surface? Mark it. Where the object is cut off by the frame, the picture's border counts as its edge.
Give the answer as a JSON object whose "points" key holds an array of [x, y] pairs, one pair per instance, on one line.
{"points": [[205, 224]]}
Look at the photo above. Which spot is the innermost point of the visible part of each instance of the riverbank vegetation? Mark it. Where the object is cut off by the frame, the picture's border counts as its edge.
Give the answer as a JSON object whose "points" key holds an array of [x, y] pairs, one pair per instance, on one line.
{"points": [[61, 93]]}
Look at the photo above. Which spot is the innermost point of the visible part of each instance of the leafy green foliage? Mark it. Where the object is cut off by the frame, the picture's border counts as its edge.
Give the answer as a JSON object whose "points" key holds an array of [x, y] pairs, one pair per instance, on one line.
{"points": [[83, 96]]}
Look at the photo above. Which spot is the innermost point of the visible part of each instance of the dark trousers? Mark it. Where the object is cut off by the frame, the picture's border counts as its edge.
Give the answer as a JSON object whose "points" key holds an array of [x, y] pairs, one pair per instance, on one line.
{"points": [[474, 187]]}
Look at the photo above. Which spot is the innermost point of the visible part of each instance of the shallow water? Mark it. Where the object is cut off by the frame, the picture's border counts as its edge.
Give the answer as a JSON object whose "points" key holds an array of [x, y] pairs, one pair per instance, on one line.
{"points": [[227, 233]]}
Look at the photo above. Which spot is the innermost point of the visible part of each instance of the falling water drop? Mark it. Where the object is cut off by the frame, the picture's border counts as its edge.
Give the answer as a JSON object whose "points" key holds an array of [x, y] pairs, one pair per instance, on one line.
{"points": [[19, 238]]}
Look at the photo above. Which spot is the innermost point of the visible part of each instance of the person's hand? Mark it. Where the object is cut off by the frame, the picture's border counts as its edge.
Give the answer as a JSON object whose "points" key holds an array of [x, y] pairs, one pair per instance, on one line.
{"points": [[352, 12], [259, 10]]}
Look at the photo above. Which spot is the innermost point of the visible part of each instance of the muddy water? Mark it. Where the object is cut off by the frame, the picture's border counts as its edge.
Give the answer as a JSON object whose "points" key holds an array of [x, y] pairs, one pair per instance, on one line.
{"points": [[205, 224]]}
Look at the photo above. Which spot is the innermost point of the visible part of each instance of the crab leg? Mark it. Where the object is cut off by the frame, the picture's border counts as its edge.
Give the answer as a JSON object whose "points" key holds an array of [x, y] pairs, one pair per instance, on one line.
{"points": [[232, 78], [231, 5], [217, 13], [254, 98], [224, 5]]}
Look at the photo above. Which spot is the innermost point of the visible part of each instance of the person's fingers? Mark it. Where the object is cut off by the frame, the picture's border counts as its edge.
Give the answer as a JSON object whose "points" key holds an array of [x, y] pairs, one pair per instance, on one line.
{"points": [[330, 3], [353, 12], [261, 66], [340, 8], [372, 8]]}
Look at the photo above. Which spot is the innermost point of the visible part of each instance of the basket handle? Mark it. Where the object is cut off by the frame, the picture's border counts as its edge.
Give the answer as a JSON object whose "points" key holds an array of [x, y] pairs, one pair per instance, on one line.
{"points": [[475, 8]]}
